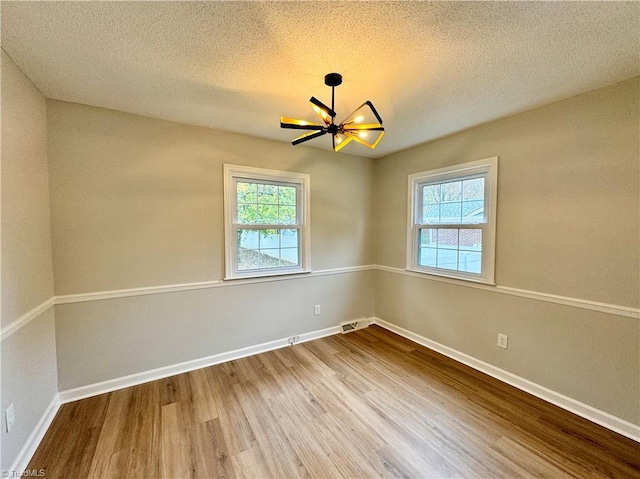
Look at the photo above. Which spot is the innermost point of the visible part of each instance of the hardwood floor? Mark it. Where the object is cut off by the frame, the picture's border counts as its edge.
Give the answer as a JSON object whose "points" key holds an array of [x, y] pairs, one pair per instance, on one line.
{"points": [[365, 404]]}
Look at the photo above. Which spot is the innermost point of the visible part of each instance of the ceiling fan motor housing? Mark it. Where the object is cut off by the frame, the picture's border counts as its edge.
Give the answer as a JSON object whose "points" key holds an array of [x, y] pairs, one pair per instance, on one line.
{"points": [[333, 79]]}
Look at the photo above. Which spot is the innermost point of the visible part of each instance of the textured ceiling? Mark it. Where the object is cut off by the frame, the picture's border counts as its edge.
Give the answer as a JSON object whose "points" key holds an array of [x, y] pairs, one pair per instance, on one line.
{"points": [[430, 68]]}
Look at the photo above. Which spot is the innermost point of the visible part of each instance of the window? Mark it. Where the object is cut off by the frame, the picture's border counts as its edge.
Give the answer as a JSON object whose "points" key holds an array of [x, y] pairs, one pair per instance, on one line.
{"points": [[266, 222], [452, 221]]}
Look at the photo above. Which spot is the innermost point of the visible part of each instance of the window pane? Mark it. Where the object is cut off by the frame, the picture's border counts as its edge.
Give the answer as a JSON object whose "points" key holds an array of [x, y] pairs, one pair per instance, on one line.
{"points": [[470, 240], [287, 215], [458, 249], [247, 258], [447, 238], [431, 214], [269, 239], [267, 214], [450, 213], [431, 195], [247, 192], [287, 195], [247, 214], [289, 238], [447, 259], [447, 253], [259, 203], [429, 237], [248, 239], [427, 257], [289, 257], [442, 203], [451, 191], [470, 251], [267, 248], [269, 258], [267, 194], [473, 212], [470, 262], [473, 189]]}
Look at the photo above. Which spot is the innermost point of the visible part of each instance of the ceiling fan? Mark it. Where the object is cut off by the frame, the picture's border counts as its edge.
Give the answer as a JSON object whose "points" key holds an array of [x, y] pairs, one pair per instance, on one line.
{"points": [[364, 125]]}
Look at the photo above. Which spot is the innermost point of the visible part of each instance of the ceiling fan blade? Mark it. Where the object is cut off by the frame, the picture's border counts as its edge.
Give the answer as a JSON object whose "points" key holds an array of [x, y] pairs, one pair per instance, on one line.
{"points": [[368, 137], [375, 112], [326, 113], [308, 136], [364, 125], [365, 114], [323, 114], [341, 140], [357, 127], [299, 124]]}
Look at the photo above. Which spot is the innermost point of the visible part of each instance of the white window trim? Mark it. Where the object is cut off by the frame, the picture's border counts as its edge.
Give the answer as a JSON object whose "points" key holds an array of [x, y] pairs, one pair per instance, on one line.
{"points": [[233, 172], [489, 166]]}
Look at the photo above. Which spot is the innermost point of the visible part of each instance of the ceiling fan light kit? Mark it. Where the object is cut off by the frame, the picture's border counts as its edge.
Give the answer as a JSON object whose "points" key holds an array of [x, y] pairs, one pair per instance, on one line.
{"points": [[364, 125]]}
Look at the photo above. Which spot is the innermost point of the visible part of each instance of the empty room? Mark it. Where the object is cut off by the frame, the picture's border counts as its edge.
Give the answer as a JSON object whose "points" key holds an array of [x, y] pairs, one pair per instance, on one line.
{"points": [[320, 239]]}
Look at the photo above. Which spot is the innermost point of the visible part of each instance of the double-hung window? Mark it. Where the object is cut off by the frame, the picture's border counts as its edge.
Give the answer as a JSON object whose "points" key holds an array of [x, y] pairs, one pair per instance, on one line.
{"points": [[452, 221], [266, 222]]}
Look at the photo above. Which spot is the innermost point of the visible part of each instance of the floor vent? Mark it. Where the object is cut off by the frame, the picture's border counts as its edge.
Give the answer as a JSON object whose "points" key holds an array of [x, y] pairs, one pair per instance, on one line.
{"points": [[349, 326]]}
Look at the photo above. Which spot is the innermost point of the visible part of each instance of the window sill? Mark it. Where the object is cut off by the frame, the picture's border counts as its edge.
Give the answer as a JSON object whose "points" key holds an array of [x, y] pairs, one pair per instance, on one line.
{"points": [[263, 275], [451, 278]]}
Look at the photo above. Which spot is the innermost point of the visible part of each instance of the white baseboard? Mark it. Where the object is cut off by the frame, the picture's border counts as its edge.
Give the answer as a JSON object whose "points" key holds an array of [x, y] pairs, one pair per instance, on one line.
{"points": [[34, 439], [597, 416], [82, 392]]}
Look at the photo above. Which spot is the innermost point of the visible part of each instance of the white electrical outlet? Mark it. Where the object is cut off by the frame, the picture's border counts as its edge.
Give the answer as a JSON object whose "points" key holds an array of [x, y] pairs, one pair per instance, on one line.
{"points": [[503, 341], [294, 339], [316, 310], [10, 417]]}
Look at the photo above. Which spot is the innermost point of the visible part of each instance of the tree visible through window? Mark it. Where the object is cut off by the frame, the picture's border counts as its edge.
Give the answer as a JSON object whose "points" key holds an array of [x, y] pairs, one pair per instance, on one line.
{"points": [[266, 204], [267, 219]]}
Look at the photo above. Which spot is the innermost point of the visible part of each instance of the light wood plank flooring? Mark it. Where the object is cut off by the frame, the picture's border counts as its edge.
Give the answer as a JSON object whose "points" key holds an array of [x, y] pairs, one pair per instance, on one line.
{"points": [[366, 404]]}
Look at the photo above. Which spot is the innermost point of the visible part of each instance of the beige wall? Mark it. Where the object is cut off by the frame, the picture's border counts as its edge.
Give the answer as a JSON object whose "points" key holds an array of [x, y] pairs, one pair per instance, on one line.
{"points": [[567, 224], [109, 339], [568, 221], [28, 357], [29, 381], [27, 278], [137, 202]]}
